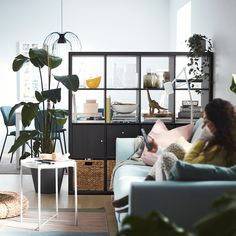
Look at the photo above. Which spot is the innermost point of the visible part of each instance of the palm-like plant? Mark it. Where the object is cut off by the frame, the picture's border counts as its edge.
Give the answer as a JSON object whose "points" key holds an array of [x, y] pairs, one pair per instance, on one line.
{"points": [[45, 100]]}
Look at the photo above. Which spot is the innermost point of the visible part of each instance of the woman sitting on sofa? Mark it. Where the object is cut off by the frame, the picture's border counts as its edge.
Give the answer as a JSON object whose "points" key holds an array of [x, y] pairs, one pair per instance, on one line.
{"points": [[216, 144]]}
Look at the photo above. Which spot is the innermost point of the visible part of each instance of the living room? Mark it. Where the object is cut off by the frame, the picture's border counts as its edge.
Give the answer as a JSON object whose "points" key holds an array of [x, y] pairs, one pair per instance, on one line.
{"points": [[118, 26]]}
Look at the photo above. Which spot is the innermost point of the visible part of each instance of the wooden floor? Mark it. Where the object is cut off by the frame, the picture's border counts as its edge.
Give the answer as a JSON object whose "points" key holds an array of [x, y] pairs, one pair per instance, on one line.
{"points": [[12, 183]]}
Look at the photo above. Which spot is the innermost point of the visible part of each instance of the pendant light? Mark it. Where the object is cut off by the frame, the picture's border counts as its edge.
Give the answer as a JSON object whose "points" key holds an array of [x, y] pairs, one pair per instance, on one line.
{"points": [[56, 42]]}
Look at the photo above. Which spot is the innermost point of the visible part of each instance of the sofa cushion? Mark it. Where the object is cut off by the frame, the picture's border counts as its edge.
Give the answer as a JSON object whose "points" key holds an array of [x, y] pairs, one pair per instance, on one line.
{"points": [[125, 175], [164, 138], [200, 172]]}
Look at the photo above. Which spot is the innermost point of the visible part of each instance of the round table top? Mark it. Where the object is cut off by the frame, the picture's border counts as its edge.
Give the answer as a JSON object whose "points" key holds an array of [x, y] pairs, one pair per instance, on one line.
{"points": [[37, 163]]}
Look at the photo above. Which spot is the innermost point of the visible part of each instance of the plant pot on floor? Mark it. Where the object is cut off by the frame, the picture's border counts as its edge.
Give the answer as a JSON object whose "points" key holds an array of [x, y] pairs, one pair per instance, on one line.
{"points": [[48, 185]]}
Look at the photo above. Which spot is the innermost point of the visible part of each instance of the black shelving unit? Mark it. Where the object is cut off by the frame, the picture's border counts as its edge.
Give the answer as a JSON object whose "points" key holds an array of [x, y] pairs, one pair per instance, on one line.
{"points": [[93, 141]]}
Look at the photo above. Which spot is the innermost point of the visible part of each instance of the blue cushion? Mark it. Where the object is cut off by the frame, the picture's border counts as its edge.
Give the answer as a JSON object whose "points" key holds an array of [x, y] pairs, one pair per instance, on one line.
{"points": [[199, 172]]}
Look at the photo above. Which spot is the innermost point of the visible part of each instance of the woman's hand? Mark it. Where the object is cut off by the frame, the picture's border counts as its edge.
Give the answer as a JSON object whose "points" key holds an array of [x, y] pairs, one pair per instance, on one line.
{"points": [[153, 144]]}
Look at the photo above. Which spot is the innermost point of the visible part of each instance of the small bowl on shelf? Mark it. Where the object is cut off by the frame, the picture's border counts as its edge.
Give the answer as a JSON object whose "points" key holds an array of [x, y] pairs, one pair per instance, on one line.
{"points": [[94, 82], [124, 107]]}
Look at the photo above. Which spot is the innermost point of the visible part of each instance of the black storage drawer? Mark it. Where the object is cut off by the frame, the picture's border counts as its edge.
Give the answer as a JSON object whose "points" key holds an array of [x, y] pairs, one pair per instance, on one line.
{"points": [[88, 141], [119, 131]]}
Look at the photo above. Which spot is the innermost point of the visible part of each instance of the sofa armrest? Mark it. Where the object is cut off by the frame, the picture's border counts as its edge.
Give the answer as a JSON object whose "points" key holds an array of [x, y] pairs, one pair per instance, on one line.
{"points": [[124, 148], [182, 202]]}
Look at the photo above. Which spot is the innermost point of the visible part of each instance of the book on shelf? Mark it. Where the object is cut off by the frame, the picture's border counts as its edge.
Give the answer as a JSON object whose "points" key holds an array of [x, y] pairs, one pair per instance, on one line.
{"points": [[124, 117], [154, 119], [195, 108], [89, 116], [90, 121], [186, 114]]}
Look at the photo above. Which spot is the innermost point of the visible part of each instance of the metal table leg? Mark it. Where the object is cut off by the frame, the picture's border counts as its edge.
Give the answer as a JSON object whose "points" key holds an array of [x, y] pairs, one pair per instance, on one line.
{"points": [[75, 183], [56, 187], [39, 197], [21, 195]]}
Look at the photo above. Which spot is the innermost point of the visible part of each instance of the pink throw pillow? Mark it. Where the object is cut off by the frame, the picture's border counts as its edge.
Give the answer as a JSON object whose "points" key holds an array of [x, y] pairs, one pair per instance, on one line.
{"points": [[164, 138]]}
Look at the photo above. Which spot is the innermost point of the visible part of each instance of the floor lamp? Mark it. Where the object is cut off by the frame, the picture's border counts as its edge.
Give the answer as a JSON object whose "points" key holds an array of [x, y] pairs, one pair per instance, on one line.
{"points": [[168, 86]]}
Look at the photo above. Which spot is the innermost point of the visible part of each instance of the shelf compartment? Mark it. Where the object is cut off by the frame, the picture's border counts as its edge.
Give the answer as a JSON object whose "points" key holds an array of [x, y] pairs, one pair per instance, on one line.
{"points": [[122, 72], [87, 67], [90, 175]]}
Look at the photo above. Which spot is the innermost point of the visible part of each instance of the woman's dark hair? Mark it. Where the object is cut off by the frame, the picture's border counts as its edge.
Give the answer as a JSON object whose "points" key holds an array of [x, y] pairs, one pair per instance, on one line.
{"points": [[222, 114]]}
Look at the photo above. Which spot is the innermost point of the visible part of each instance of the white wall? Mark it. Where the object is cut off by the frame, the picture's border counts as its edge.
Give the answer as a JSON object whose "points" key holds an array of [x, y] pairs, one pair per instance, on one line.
{"points": [[116, 25], [217, 20], [104, 25], [175, 6]]}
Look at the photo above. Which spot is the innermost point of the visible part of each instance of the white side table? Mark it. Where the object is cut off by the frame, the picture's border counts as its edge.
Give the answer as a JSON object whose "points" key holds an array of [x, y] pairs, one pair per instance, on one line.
{"points": [[33, 163]]}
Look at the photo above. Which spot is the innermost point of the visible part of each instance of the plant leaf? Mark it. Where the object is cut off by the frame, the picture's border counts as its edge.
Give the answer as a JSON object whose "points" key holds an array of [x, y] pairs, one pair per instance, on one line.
{"points": [[53, 61], [40, 57], [28, 113], [22, 139], [39, 96], [233, 83], [15, 107], [154, 224], [37, 57], [71, 82], [53, 95], [18, 62]]}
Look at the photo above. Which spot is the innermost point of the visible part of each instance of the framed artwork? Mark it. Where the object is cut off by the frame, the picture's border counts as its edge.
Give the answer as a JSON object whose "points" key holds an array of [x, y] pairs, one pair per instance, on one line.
{"points": [[28, 76]]}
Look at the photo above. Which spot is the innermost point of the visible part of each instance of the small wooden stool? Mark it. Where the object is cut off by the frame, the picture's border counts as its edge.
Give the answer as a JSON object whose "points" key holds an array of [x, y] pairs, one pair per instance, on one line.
{"points": [[10, 204]]}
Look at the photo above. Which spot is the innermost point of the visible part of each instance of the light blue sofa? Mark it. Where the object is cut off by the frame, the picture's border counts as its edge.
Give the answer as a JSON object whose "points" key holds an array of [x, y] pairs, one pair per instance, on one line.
{"points": [[183, 202]]}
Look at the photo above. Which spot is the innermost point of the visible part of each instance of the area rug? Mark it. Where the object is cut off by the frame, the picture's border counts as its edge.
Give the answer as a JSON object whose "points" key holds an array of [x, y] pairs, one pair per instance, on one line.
{"points": [[91, 222]]}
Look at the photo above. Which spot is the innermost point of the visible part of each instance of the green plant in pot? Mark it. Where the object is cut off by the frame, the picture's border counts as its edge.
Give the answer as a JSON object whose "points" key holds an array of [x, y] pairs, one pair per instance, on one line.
{"points": [[45, 100], [198, 63]]}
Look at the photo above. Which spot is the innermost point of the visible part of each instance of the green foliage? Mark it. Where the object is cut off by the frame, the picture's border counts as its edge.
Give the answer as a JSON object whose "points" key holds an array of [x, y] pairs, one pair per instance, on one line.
{"points": [[219, 222], [45, 100], [153, 225], [198, 62], [233, 83]]}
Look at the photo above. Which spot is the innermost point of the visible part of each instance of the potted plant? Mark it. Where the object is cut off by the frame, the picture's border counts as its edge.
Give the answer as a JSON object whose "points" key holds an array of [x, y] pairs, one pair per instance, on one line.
{"points": [[45, 100], [198, 65]]}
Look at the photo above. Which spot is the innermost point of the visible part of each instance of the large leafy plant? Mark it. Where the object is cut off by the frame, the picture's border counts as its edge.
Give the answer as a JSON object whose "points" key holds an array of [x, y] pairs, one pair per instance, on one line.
{"points": [[45, 100]]}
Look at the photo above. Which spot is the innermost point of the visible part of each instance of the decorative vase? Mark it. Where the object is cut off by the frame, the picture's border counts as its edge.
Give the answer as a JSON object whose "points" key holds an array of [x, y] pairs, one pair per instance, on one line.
{"points": [[147, 80]]}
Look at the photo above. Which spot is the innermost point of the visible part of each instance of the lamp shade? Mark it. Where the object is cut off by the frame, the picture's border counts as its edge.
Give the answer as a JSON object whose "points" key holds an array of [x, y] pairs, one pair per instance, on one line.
{"points": [[56, 42]]}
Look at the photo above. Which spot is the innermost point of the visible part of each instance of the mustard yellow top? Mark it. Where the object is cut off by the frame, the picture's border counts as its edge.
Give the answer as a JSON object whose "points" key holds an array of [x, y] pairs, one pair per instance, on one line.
{"points": [[214, 155]]}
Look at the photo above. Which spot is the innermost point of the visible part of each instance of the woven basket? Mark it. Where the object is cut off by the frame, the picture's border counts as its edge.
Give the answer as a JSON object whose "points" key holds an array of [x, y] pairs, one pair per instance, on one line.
{"points": [[90, 175], [10, 204], [110, 167]]}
